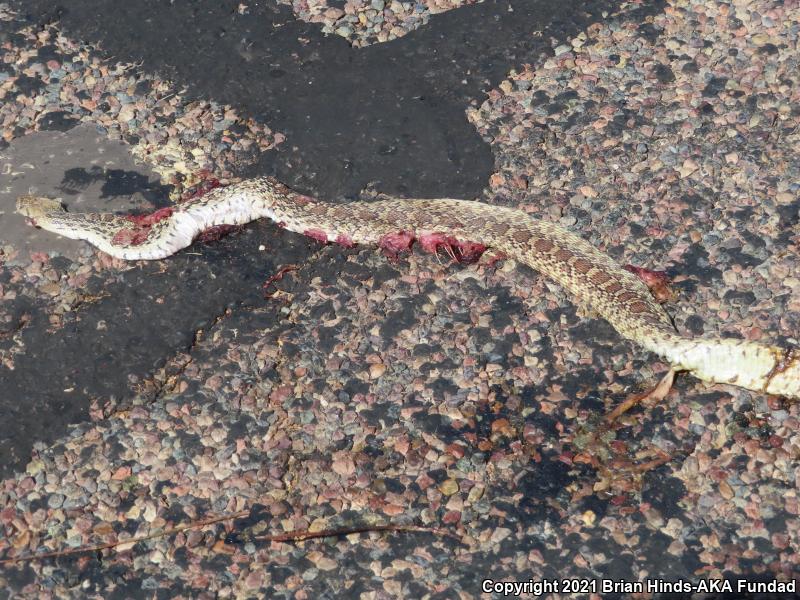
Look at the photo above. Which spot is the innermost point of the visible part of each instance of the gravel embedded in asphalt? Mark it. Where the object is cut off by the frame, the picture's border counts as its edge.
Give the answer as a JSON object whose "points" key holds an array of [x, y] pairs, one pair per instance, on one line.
{"points": [[466, 397]]}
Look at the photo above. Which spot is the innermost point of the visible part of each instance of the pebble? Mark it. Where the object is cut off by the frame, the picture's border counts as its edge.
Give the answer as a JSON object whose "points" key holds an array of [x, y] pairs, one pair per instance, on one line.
{"points": [[55, 500], [376, 370]]}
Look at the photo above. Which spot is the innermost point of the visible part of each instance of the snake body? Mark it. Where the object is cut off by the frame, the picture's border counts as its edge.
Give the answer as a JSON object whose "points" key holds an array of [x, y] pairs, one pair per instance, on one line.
{"points": [[591, 277]]}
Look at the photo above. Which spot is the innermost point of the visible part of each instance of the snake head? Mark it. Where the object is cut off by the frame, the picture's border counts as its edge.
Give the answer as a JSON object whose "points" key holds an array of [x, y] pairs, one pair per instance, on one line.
{"points": [[37, 206]]}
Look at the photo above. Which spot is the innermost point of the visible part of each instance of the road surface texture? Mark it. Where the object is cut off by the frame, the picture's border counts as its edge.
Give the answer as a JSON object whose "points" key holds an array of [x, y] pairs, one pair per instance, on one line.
{"points": [[259, 384]]}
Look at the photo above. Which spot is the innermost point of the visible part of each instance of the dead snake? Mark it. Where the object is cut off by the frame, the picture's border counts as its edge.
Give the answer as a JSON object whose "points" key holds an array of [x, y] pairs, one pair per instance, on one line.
{"points": [[591, 277]]}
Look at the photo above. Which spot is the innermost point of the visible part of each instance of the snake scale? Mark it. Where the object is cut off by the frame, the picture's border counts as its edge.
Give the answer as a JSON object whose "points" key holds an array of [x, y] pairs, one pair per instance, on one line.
{"points": [[463, 226]]}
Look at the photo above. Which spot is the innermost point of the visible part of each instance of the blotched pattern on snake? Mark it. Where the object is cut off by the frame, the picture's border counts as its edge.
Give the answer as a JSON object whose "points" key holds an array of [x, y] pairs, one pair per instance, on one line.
{"points": [[591, 277]]}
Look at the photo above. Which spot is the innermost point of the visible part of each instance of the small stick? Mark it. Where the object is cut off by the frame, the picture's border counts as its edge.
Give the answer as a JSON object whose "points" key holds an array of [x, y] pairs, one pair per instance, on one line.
{"points": [[298, 535], [658, 393], [279, 276], [134, 540], [304, 534]]}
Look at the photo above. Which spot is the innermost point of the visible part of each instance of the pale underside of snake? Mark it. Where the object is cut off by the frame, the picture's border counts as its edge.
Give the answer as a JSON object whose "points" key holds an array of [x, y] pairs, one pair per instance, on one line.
{"points": [[468, 227]]}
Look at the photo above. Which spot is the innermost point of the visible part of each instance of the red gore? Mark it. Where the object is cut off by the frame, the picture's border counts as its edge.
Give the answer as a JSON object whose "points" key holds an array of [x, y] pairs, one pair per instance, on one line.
{"points": [[277, 277], [656, 281], [469, 252], [345, 240], [394, 243], [151, 218], [317, 234], [203, 188], [213, 234], [137, 235], [460, 251]]}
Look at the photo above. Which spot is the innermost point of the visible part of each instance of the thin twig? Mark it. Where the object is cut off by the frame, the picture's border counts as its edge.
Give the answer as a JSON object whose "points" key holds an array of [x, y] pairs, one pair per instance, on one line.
{"points": [[657, 394], [298, 535], [134, 540], [304, 534]]}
